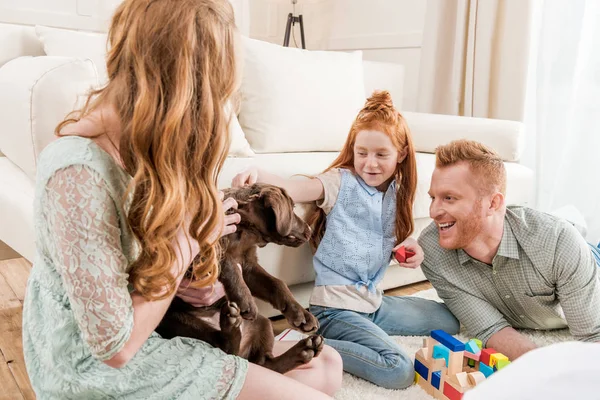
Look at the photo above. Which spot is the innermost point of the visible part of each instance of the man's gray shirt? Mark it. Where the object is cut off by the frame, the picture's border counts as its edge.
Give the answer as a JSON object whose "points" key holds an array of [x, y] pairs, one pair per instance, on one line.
{"points": [[544, 276]]}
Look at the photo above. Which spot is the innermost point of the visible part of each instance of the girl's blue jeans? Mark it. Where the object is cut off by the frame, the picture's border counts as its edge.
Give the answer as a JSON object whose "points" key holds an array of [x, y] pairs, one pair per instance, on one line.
{"points": [[363, 340]]}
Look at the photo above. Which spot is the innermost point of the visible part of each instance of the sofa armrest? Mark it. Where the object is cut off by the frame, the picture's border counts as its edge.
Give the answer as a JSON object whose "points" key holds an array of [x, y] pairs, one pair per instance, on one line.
{"points": [[507, 138]]}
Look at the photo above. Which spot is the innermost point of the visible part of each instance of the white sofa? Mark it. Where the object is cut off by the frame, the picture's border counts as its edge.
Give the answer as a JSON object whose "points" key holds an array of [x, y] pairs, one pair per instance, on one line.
{"points": [[293, 121]]}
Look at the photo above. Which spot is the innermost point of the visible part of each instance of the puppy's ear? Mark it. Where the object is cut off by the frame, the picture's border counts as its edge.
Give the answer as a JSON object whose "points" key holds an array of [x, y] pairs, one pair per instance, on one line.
{"points": [[282, 206]]}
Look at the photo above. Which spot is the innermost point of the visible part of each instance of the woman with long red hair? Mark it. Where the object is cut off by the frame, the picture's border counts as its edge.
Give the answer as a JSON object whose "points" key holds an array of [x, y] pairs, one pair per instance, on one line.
{"points": [[126, 201], [364, 212]]}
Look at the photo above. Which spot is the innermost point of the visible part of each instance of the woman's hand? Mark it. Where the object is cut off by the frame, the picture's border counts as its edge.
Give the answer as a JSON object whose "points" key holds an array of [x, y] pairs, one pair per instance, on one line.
{"points": [[249, 176], [229, 221], [200, 297], [412, 245]]}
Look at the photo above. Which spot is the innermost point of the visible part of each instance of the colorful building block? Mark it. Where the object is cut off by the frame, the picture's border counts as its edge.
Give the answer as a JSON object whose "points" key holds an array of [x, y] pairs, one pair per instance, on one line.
{"points": [[402, 254], [445, 369], [448, 340], [421, 370], [441, 351], [436, 378], [494, 358], [501, 364], [451, 392], [485, 356], [471, 347], [486, 370]]}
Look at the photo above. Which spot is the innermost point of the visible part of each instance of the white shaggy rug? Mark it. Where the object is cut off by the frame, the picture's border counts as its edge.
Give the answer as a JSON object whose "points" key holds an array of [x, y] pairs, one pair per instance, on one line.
{"points": [[354, 388]]}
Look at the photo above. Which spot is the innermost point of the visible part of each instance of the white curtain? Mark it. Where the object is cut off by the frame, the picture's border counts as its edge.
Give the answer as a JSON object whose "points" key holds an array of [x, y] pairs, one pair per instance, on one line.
{"points": [[563, 108], [474, 58]]}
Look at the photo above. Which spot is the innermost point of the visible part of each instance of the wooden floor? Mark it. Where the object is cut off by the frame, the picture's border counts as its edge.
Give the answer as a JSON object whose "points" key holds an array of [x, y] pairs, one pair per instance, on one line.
{"points": [[14, 383]]}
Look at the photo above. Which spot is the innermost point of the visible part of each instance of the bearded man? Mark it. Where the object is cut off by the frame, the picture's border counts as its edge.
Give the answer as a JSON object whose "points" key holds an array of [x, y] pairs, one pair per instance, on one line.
{"points": [[499, 268]]}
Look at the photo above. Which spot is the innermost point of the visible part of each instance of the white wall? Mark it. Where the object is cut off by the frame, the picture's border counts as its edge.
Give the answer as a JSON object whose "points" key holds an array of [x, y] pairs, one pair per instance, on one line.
{"points": [[386, 30], [89, 15]]}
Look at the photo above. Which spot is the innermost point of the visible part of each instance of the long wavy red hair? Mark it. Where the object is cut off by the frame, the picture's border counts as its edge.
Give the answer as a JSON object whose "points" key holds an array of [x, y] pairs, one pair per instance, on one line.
{"points": [[379, 114], [172, 69]]}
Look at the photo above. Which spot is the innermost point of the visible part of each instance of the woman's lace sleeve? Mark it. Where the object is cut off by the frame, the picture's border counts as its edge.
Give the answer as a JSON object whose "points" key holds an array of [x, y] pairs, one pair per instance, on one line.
{"points": [[85, 246]]}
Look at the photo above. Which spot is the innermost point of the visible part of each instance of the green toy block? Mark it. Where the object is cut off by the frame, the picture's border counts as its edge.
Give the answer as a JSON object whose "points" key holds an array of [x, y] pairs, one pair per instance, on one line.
{"points": [[501, 364]]}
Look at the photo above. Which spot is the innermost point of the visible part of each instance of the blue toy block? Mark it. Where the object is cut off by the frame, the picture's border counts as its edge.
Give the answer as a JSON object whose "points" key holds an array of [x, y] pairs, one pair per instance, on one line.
{"points": [[448, 340], [421, 370], [436, 377], [441, 351], [472, 347], [486, 370]]}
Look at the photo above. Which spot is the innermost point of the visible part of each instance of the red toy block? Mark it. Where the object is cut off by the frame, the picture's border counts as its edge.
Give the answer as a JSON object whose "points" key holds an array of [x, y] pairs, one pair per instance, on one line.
{"points": [[451, 393], [402, 254], [485, 355]]}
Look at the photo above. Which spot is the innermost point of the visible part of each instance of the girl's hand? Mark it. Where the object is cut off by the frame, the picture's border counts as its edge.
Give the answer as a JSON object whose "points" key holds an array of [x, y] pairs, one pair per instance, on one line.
{"points": [[416, 260], [249, 176]]}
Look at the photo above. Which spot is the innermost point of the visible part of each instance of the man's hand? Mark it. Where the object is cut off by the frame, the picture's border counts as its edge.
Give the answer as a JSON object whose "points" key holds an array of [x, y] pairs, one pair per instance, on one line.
{"points": [[510, 343]]}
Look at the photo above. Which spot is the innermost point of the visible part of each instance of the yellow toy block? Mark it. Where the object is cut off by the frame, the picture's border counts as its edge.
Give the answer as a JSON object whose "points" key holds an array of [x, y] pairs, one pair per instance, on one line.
{"points": [[494, 358]]}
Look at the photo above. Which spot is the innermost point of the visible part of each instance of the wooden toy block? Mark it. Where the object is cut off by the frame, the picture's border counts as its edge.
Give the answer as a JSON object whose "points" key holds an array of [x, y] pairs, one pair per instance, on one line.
{"points": [[445, 369], [451, 392], [441, 351], [455, 363], [471, 347], [494, 358], [402, 254], [475, 378], [462, 379], [430, 344], [423, 383], [485, 355], [486, 370], [448, 340], [436, 379], [437, 364], [501, 364]]}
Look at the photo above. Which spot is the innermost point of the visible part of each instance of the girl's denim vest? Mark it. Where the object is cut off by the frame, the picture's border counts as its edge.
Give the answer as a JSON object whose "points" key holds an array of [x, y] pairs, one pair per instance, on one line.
{"points": [[359, 237]]}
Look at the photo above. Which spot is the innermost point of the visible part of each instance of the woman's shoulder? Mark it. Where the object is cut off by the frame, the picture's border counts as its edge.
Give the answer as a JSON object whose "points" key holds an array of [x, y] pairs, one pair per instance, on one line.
{"points": [[78, 151]]}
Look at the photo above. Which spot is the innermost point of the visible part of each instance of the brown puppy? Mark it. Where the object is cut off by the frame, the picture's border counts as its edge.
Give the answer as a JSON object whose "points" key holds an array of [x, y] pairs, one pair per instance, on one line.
{"points": [[267, 216]]}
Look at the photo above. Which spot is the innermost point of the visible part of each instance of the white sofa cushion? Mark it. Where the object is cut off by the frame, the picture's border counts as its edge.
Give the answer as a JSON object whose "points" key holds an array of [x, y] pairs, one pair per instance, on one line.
{"points": [[299, 100], [93, 46], [67, 43], [431, 130], [39, 92], [17, 41]]}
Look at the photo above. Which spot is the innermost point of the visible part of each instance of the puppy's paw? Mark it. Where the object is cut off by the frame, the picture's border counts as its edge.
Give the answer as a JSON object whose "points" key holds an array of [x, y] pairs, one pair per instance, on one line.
{"points": [[230, 317], [246, 305], [310, 348], [300, 318]]}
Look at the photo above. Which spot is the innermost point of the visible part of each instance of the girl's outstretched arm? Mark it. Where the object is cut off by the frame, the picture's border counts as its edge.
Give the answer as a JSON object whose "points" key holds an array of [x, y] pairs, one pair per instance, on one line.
{"points": [[300, 190]]}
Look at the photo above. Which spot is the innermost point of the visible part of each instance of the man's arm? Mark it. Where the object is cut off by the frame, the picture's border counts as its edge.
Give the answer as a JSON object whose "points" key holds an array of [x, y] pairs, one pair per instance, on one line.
{"points": [[510, 343], [480, 317], [577, 285]]}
